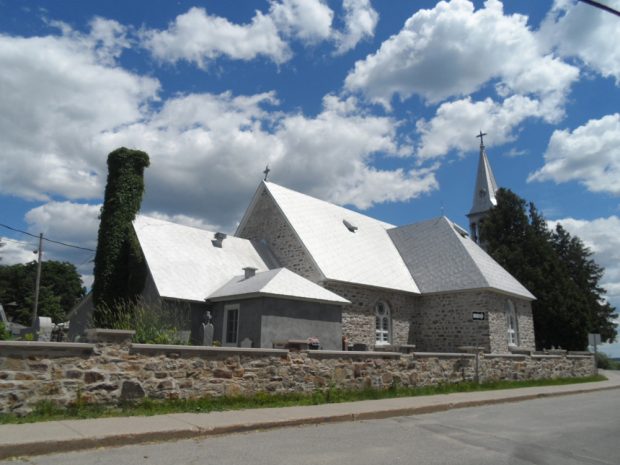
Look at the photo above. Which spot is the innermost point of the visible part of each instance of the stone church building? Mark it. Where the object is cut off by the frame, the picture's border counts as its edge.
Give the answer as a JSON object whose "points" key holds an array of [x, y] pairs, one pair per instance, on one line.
{"points": [[300, 267]]}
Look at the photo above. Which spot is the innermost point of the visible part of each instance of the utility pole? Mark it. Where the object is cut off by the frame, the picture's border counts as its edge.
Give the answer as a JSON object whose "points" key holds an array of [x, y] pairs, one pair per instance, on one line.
{"points": [[37, 283]]}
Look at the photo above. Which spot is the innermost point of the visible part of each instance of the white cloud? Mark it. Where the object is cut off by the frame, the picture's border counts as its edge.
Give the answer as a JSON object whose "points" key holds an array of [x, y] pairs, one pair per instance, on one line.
{"points": [[56, 94], [602, 236], [575, 29], [308, 20], [454, 122], [590, 155], [452, 50], [198, 37], [16, 251], [71, 223], [208, 153], [360, 21]]}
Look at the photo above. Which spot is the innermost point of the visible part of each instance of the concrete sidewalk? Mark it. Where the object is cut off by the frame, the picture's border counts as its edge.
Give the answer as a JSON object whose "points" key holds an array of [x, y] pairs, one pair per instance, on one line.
{"points": [[62, 436]]}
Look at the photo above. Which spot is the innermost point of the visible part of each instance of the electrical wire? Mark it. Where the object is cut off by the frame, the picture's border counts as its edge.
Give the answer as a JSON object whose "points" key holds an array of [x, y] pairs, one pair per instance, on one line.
{"points": [[46, 239]]}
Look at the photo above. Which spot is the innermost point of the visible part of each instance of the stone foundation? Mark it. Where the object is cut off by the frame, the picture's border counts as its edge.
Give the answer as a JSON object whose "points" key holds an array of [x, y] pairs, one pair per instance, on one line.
{"points": [[107, 372]]}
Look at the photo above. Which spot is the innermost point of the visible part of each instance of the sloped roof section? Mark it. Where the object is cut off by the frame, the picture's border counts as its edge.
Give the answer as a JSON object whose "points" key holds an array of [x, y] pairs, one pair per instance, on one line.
{"points": [[185, 264], [345, 245], [486, 187], [280, 282], [442, 258]]}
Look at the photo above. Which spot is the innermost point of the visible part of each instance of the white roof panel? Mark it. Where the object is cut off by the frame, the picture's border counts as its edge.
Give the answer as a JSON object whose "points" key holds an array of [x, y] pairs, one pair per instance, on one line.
{"points": [[185, 264], [366, 256], [280, 282]]}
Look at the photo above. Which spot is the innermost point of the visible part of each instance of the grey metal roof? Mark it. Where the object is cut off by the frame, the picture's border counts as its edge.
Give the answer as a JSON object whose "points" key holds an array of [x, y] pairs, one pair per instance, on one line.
{"points": [[442, 258], [366, 256], [486, 187], [185, 264], [280, 282]]}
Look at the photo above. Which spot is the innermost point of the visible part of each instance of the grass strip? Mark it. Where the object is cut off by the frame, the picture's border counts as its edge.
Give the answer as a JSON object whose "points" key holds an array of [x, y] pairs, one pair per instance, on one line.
{"points": [[48, 411]]}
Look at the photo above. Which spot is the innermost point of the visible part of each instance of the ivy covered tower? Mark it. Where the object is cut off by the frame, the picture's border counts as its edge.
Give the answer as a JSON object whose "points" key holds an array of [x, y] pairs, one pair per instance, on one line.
{"points": [[484, 193]]}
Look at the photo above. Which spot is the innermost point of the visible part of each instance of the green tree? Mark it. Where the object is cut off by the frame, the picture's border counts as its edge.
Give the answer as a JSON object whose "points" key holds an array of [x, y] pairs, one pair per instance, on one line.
{"points": [[517, 237], [119, 263], [586, 274], [61, 288]]}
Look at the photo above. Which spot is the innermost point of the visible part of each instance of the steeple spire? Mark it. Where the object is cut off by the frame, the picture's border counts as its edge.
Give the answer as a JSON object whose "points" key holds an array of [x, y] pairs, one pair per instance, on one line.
{"points": [[484, 192]]}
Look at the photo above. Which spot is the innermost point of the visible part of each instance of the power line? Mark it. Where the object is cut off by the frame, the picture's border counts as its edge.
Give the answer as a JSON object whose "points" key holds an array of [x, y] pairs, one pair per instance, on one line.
{"points": [[46, 239], [602, 6]]}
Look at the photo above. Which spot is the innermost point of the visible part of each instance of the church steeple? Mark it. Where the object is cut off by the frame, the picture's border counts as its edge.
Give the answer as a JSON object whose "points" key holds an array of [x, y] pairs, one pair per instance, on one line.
{"points": [[484, 192]]}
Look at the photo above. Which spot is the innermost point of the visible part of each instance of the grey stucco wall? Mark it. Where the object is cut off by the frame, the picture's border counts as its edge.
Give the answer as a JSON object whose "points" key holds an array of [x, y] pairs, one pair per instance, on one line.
{"points": [[264, 320], [267, 223]]}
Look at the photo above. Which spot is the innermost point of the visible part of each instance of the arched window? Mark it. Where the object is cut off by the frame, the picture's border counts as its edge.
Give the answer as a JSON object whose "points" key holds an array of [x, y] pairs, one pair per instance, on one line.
{"points": [[383, 324], [511, 321]]}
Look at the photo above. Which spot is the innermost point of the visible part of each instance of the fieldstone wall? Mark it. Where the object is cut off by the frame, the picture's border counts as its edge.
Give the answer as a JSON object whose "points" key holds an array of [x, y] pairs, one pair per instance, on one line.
{"points": [[113, 370], [498, 323], [444, 322], [268, 224], [358, 319]]}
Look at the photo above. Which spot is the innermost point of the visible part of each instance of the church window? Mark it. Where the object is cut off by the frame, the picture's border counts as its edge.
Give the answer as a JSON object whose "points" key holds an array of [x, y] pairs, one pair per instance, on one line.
{"points": [[231, 324], [511, 320], [383, 324]]}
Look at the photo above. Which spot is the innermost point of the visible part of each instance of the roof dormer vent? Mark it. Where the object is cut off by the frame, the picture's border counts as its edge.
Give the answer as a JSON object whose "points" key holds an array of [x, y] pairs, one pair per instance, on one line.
{"points": [[249, 272], [349, 226], [219, 238]]}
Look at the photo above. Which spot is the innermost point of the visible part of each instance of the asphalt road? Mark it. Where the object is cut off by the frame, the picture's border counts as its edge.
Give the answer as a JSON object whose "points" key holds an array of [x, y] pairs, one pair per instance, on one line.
{"points": [[575, 429]]}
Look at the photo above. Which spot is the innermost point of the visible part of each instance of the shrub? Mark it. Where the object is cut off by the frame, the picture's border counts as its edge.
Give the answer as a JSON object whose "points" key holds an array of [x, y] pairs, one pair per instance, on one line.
{"points": [[5, 334], [605, 363], [153, 323]]}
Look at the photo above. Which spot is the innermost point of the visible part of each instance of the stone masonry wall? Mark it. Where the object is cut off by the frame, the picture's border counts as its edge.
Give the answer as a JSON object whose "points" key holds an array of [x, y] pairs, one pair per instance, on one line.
{"points": [[107, 373], [499, 323], [269, 224], [358, 319], [443, 322]]}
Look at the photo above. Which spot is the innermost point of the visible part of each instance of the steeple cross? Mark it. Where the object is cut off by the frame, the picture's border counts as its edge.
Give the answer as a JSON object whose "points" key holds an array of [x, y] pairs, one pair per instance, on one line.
{"points": [[266, 172], [481, 135]]}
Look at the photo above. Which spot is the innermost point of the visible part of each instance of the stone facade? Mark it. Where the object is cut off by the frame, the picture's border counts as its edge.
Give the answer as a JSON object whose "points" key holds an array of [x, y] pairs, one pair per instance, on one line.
{"points": [[498, 323], [444, 322], [269, 226], [108, 372], [358, 319]]}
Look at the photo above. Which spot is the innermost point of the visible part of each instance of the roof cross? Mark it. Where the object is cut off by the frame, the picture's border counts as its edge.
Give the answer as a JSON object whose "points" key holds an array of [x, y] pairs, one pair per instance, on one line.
{"points": [[266, 172], [481, 135]]}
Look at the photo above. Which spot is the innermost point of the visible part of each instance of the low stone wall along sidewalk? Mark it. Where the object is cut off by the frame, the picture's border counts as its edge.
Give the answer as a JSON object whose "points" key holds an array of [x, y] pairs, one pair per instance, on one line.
{"points": [[111, 369]]}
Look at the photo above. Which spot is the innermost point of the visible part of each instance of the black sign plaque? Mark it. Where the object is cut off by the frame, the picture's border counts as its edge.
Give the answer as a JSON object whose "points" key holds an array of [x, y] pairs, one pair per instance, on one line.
{"points": [[477, 316]]}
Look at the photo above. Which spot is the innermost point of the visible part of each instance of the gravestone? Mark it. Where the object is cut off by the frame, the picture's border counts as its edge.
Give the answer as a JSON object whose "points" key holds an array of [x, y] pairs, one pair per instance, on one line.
{"points": [[207, 334], [43, 328]]}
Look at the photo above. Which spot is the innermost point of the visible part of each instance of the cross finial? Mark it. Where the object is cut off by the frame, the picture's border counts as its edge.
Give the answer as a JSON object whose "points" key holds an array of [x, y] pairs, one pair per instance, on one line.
{"points": [[266, 172], [481, 135]]}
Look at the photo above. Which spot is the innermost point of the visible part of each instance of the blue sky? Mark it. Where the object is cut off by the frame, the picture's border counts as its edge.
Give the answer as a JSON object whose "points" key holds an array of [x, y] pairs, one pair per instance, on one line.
{"points": [[373, 105]]}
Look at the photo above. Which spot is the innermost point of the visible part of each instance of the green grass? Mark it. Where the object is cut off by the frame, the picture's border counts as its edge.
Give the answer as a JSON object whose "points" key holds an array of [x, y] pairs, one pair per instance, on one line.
{"points": [[48, 411]]}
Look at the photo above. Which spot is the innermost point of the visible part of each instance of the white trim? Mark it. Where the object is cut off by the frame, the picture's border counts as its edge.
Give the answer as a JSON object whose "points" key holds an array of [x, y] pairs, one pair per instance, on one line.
{"points": [[512, 326], [228, 308]]}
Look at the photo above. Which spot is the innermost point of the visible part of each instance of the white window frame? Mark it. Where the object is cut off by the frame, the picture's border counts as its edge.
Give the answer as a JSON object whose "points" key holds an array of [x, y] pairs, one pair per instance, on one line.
{"points": [[228, 308], [383, 335], [512, 324]]}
